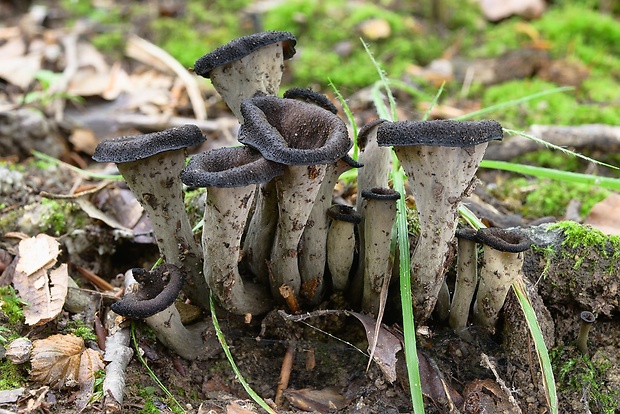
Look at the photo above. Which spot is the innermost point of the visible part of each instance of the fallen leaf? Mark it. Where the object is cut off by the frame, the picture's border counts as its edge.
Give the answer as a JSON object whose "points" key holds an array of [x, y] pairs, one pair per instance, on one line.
{"points": [[235, 408], [495, 10], [605, 215], [62, 361], [325, 400], [375, 29], [388, 346], [43, 289]]}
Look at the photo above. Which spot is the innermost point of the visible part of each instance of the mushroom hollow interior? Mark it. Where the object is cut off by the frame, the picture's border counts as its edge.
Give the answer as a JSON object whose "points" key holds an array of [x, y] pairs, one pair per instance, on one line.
{"points": [[229, 167], [293, 132]]}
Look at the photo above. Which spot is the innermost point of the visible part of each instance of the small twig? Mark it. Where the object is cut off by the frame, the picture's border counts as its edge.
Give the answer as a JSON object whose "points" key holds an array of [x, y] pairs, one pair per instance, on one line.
{"points": [[285, 373], [486, 362], [145, 51]]}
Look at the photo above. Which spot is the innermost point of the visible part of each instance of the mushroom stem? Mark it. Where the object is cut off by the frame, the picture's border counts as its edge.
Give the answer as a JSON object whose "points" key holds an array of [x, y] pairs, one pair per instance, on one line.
{"points": [[341, 244], [225, 215], [230, 175], [466, 278], [376, 161], [380, 211], [267, 83], [155, 183], [247, 66], [439, 178], [297, 190], [440, 159], [587, 319], [313, 243], [261, 230], [501, 266]]}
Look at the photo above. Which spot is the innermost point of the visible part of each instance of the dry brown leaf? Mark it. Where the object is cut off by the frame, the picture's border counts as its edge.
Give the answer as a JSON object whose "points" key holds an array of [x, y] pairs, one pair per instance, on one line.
{"points": [[324, 401], [388, 346], [605, 215], [235, 408], [62, 361], [43, 288], [83, 140]]}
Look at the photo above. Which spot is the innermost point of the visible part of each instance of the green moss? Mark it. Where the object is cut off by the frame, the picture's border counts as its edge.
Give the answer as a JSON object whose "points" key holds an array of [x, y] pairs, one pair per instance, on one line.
{"points": [[77, 328], [60, 216], [587, 237], [339, 28], [148, 394], [544, 197], [11, 376], [11, 304], [582, 375]]}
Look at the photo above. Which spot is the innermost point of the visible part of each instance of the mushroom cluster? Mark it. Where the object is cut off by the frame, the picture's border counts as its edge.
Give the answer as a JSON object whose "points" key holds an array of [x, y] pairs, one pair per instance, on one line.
{"points": [[271, 230]]}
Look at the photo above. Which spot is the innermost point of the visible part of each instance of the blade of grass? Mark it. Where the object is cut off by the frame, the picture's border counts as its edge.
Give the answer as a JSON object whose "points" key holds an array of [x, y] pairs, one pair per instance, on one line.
{"points": [[384, 82], [604, 182], [150, 371], [350, 117], [52, 160], [411, 352], [556, 147], [220, 336], [513, 102], [434, 102], [539, 343]]}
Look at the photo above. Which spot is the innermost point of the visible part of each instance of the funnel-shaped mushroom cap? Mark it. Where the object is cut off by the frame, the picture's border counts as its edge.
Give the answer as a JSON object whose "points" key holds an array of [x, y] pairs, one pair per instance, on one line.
{"points": [[293, 132], [229, 167], [158, 290], [243, 46], [504, 240], [444, 133], [138, 147]]}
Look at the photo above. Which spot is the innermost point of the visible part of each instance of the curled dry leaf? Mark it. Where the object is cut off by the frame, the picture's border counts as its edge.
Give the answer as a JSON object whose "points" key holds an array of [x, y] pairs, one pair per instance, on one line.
{"points": [[43, 288], [62, 361]]}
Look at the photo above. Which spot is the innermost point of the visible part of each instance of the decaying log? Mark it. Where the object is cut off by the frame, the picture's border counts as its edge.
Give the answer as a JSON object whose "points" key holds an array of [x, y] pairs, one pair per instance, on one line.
{"points": [[594, 137]]}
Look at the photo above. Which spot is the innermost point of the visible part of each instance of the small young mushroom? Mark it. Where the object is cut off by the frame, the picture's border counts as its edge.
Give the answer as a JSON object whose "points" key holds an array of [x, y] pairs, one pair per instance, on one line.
{"points": [[151, 165], [230, 176], [440, 159], [466, 278], [306, 138], [158, 289], [313, 243], [341, 243], [166, 322], [587, 318], [247, 66], [503, 259], [375, 174], [379, 213]]}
